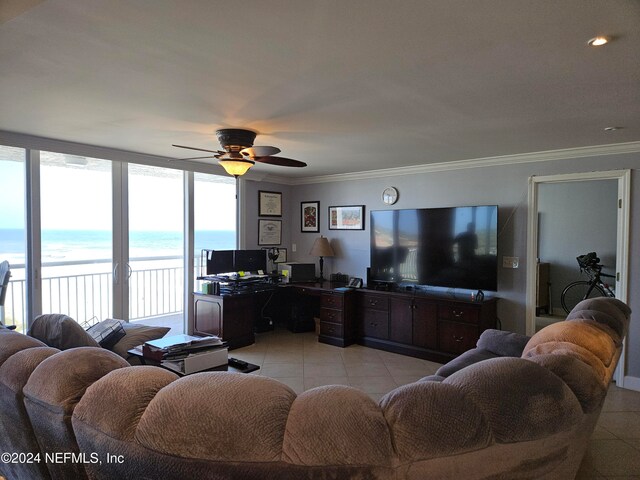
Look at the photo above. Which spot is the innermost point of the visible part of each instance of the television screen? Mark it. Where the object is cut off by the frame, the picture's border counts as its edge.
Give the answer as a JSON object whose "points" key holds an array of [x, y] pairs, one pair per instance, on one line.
{"points": [[449, 247], [219, 261], [250, 260]]}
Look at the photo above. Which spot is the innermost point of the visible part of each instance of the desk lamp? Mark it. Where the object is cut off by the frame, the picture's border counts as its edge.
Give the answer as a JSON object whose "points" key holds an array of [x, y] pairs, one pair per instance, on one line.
{"points": [[321, 248]]}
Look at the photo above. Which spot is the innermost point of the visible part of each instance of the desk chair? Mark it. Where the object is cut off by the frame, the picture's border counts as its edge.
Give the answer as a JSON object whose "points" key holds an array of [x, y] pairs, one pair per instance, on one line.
{"points": [[5, 275]]}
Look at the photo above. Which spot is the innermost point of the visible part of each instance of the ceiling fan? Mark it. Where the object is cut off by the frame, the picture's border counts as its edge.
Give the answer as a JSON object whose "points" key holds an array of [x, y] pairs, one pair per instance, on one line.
{"points": [[239, 154]]}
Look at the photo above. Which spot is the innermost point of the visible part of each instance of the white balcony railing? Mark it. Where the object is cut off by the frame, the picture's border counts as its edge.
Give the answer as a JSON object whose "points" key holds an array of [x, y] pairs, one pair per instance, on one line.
{"points": [[152, 292]]}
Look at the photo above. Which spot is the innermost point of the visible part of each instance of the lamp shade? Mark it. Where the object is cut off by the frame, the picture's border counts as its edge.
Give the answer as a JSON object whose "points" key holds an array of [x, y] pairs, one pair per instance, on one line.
{"points": [[321, 248], [236, 167]]}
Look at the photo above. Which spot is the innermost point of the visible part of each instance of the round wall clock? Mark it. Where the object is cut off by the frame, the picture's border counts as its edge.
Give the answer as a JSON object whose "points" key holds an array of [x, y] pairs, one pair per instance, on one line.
{"points": [[390, 195]]}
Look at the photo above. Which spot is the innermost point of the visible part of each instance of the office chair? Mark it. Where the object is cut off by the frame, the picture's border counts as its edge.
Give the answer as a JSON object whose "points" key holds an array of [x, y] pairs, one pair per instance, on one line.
{"points": [[5, 275]]}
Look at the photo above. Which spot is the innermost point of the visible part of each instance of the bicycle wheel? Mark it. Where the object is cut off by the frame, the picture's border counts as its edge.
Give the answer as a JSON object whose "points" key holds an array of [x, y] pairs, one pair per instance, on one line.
{"points": [[575, 292]]}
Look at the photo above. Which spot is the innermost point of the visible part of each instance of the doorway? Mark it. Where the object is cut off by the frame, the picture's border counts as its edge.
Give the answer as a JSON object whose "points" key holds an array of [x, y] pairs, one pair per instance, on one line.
{"points": [[539, 186]]}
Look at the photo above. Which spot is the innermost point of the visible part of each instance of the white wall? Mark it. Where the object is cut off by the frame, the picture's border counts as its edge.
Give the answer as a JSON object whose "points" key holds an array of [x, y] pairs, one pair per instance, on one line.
{"points": [[576, 218], [505, 186]]}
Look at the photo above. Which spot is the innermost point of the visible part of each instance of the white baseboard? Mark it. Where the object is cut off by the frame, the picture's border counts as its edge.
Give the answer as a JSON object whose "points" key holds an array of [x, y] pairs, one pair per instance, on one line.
{"points": [[631, 383]]}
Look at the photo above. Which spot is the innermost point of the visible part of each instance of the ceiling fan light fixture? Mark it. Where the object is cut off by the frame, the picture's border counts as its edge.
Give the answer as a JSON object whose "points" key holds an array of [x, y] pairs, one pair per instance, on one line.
{"points": [[236, 167]]}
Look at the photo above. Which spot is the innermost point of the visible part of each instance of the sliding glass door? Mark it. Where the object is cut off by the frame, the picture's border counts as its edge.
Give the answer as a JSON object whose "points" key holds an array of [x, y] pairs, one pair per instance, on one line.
{"points": [[13, 233], [156, 246], [76, 236]]}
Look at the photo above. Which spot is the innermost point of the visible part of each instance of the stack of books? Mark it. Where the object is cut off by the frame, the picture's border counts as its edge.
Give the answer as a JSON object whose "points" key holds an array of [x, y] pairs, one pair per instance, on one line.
{"points": [[186, 354]]}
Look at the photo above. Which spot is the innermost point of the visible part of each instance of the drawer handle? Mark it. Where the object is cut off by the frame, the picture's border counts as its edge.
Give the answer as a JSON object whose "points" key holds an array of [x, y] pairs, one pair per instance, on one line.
{"points": [[331, 330], [331, 315], [457, 313], [457, 339], [373, 303], [373, 324]]}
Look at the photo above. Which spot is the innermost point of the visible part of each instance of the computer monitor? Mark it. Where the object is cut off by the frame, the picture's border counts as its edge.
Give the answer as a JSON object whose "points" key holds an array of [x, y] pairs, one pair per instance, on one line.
{"points": [[220, 261], [250, 260]]}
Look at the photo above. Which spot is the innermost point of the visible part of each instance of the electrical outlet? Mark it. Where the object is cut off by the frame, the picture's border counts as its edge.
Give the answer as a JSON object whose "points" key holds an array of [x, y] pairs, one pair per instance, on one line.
{"points": [[293, 247], [510, 262]]}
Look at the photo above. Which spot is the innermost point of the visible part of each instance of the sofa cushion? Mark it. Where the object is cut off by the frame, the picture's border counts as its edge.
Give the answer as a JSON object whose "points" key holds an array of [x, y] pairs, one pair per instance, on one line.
{"points": [[502, 343], [434, 419], [467, 358], [137, 334], [521, 401], [12, 342], [336, 425], [581, 335], [60, 331]]}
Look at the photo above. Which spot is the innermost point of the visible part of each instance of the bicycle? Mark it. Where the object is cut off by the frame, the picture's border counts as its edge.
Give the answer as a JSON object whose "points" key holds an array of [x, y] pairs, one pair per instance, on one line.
{"points": [[580, 290]]}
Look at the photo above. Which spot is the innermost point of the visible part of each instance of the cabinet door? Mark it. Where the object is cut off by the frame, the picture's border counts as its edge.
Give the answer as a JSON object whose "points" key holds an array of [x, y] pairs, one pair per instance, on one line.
{"points": [[208, 316], [375, 323], [401, 325], [425, 324], [456, 337]]}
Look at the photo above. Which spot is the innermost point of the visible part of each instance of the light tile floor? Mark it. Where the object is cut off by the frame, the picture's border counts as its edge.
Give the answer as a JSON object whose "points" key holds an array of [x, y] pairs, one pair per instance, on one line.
{"points": [[299, 361]]}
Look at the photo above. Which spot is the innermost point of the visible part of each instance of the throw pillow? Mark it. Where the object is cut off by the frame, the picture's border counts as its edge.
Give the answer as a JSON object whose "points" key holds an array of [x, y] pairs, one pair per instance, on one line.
{"points": [[137, 334], [60, 331]]}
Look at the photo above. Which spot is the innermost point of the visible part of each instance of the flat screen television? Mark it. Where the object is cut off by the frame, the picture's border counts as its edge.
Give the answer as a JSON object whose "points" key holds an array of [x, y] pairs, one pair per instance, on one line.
{"points": [[454, 247]]}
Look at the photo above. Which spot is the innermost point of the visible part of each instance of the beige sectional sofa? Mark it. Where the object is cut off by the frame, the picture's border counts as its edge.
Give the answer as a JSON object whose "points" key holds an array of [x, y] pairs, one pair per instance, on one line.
{"points": [[527, 417]]}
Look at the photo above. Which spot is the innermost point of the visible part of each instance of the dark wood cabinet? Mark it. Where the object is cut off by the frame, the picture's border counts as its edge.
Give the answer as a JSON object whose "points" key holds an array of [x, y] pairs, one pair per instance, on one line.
{"points": [[425, 323], [373, 311], [231, 317], [337, 317], [401, 326], [430, 327]]}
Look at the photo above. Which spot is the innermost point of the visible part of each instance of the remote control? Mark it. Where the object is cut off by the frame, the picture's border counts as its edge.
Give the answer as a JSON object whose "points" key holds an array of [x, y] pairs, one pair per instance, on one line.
{"points": [[234, 362]]}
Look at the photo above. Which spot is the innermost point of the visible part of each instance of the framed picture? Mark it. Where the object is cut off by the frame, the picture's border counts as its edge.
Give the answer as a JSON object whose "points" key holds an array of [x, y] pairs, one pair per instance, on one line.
{"points": [[276, 254], [269, 204], [349, 217], [269, 232], [310, 216], [282, 255]]}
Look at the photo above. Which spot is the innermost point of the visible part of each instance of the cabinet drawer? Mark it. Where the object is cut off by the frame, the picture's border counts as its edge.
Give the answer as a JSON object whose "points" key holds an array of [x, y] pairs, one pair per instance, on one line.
{"points": [[375, 302], [456, 337], [331, 329], [332, 301], [375, 324], [459, 313], [331, 315]]}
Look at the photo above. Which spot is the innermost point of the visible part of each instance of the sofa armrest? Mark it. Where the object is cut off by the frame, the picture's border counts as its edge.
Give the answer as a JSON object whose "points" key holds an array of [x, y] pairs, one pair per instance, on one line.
{"points": [[502, 343]]}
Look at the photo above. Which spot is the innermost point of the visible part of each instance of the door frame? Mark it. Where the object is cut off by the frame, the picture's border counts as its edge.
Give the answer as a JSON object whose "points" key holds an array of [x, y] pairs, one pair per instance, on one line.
{"points": [[623, 178]]}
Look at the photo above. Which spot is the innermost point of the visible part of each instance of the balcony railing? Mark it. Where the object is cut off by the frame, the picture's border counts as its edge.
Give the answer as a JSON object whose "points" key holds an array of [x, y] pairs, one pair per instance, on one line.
{"points": [[152, 292]]}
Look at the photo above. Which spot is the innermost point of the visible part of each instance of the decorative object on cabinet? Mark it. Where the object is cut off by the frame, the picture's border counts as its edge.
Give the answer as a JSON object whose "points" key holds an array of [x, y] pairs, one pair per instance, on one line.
{"points": [[310, 217], [390, 195], [269, 204], [322, 248], [269, 232], [348, 217]]}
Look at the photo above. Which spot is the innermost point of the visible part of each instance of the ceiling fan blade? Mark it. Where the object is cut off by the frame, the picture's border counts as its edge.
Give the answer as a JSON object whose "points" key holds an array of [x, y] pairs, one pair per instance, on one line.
{"points": [[283, 162], [198, 158], [199, 149], [259, 151]]}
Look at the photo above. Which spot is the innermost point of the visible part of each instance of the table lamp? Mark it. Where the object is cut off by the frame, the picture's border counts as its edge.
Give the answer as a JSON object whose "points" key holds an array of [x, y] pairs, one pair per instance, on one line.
{"points": [[321, 248]]}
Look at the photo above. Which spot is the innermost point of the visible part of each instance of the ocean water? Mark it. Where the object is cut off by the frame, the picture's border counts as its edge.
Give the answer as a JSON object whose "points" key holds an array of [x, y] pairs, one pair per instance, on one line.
{"points": [[78, 245]]}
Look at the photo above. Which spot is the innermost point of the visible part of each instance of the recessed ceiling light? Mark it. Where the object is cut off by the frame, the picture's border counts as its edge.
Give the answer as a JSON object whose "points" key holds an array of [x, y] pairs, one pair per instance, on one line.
{"points": [[612, 129], [599, 41]]}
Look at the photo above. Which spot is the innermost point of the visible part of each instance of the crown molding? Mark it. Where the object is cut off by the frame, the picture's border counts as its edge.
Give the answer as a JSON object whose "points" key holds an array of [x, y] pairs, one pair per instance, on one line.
{"points": [[519, 158]]}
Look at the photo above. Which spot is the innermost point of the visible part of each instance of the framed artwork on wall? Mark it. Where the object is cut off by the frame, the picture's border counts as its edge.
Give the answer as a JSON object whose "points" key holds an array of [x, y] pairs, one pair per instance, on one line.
{"points": [[269, 204], [348, 217], [269, 232], [310, 216]]}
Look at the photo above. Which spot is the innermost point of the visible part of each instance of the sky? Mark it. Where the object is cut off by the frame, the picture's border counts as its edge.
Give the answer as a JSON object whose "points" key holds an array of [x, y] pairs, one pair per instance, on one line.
{"points": [[79, 198]]}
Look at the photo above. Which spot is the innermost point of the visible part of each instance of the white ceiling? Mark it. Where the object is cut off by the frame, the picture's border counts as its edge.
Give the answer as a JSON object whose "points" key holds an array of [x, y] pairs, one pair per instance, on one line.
{"points": [[345, 86]]}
